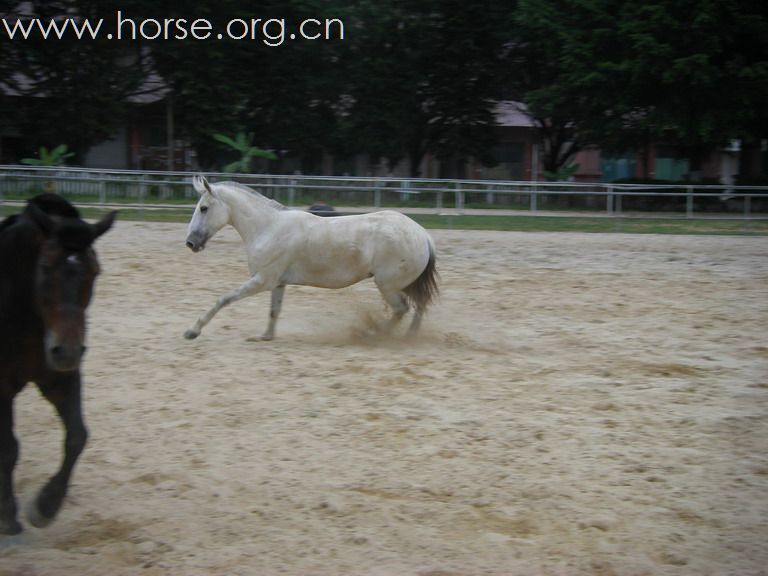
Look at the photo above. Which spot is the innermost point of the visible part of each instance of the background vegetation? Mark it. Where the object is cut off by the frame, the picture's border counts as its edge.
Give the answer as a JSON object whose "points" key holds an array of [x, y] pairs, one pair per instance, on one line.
{"points": [[410, 77]]}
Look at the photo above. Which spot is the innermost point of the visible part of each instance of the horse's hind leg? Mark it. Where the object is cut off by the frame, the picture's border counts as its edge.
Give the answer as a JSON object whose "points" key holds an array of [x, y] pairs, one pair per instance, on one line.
{"points": [[64, 394], [399, 304], [9, 452], [413, 329]]}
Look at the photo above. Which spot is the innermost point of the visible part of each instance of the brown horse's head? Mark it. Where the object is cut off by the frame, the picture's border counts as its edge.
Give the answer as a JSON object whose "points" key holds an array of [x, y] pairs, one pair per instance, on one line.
{"points": [[66, 271]]}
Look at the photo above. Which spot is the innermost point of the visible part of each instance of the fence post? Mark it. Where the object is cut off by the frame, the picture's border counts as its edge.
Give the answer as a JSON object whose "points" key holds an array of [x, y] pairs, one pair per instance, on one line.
{"points": [[459, 198], [609, 201], [404, 195], [534, 199], [142, 194], [689, 202]]}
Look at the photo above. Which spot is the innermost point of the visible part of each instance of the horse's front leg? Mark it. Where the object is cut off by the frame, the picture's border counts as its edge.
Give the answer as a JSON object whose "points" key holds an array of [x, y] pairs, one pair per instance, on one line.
{"points": [[252, 286], [63, 391], [9, 452], [276, 304]]}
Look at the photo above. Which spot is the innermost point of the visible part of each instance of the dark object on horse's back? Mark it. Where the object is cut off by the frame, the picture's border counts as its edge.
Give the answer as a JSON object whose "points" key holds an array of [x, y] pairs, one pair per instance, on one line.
{"points": [[47, 271], [322, 210]]}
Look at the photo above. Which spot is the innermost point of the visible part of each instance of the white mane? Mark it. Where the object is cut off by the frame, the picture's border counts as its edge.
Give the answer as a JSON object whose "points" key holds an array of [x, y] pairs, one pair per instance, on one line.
{"points": [[268, 202]]}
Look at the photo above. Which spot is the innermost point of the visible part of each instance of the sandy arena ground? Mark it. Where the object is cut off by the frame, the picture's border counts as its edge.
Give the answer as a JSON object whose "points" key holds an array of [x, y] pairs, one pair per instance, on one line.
{"points": [[575, 405]]}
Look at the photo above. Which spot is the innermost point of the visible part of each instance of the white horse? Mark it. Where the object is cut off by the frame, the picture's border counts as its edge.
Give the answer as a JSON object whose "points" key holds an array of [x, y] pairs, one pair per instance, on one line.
{"points": [[295, 247]]}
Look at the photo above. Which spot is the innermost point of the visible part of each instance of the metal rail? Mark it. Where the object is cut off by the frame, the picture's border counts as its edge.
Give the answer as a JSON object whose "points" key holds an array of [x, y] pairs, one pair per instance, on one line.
{"points": [[166, 190]]}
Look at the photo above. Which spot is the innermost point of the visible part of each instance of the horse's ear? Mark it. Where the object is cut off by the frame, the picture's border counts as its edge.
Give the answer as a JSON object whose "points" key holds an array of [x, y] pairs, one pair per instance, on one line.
{"points": [[104, 224], [201, 184]]}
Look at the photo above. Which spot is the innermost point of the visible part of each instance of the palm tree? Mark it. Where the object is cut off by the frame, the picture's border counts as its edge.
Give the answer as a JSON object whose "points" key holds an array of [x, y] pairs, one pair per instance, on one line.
{"points": [[243, 144]]}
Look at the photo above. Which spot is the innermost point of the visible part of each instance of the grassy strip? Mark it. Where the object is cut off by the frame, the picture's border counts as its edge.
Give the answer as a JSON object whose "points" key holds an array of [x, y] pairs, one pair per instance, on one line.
{"points": [[603, 225], [143, 214], [507, 223]]}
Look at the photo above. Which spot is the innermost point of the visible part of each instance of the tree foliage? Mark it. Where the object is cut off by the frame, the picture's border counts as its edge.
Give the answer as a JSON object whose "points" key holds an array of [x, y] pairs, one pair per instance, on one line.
{"points": [[243, 144], [45, 157], [70, 90], [410, 78], [620, 74], [425, 76]]}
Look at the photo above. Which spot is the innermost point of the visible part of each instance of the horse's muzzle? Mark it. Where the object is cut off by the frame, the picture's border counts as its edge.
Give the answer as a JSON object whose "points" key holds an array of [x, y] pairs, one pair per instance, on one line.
{"points": [[194, 244], [63, 358]]}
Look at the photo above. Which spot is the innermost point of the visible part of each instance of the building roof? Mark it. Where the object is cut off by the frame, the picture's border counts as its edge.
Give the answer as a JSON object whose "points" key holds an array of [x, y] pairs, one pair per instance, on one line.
{"points": [[513, 114]]}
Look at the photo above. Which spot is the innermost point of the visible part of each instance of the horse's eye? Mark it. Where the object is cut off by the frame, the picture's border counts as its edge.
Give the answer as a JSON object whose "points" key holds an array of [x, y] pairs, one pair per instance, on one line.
{"points": [[203, 209]]}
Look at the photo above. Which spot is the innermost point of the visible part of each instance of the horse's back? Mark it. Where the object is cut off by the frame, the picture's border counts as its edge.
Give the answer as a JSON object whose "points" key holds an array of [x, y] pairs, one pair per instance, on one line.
{"points": [[402, 247], [375, 234], [338, 252], [395, 233]]}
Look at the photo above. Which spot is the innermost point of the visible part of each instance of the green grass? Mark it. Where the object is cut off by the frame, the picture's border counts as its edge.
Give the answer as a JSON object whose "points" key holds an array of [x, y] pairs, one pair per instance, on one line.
{"points": [[144, 214], [584, 224], [642, 225]]}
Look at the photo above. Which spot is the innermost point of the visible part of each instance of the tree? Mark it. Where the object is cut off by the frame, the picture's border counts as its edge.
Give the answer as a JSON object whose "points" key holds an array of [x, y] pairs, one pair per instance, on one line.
{"points": [[690, 74], [284, 93], [243, 145], [554, 70], [424, 78], [45, 157], [70, 90], [407, 79]]}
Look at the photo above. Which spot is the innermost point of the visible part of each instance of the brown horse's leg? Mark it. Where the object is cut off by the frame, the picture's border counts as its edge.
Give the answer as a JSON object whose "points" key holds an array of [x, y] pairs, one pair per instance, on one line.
{"points": [[63, 391], [9, 452]]}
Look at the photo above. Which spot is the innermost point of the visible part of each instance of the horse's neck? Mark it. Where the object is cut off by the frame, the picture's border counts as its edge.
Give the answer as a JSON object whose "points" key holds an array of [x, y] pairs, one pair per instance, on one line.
{"points": [[250, 216]]}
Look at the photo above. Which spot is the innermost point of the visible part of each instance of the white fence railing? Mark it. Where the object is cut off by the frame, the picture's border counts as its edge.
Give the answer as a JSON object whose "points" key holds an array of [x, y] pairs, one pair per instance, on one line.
{"points": [[173, 189]]}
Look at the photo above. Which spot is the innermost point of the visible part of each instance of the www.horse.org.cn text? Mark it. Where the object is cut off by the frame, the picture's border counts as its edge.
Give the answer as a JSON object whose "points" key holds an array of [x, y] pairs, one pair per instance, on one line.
{"points": [[271, 32]]}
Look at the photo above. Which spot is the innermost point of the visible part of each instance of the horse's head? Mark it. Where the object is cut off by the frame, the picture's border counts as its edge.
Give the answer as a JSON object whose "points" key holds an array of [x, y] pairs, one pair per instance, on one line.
{"points": [[66, 270], [211, 215]]}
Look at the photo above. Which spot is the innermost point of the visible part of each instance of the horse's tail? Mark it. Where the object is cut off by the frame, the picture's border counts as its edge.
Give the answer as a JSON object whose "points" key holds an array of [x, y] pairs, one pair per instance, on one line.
{"points": [[422, 291]]}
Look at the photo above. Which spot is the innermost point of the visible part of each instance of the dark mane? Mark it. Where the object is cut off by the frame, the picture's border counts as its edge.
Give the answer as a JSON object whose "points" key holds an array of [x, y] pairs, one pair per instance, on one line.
{"points": [[73, 233], [8, 222], [54, 205]]}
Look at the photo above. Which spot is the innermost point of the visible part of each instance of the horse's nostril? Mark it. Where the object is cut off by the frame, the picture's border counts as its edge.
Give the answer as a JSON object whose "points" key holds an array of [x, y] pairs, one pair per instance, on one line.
{"points": [[190, 245], [66, 358]]}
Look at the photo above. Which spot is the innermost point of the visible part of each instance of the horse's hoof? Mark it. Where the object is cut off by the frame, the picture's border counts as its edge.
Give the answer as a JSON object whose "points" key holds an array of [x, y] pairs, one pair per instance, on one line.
{"points": [[191, 334], [10, 527], [36, 517], [264, 338]]}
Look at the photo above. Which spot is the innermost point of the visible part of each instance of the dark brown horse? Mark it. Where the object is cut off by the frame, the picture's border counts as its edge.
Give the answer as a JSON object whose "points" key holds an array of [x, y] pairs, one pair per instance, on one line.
{"points": [[47, 272]]}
